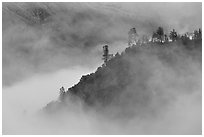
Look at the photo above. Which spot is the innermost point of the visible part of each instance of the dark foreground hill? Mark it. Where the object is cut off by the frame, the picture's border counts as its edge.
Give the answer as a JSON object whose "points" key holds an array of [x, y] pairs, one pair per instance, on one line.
{"points": [[142, 80]]}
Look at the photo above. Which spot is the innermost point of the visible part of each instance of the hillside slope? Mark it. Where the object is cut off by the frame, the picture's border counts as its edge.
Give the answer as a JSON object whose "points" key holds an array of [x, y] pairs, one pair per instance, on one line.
{"points": [[142, 80]]}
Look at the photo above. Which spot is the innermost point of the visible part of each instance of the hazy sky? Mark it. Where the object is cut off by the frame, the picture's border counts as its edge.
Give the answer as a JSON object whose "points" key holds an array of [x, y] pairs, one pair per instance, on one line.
{"points": [[73, 33]]}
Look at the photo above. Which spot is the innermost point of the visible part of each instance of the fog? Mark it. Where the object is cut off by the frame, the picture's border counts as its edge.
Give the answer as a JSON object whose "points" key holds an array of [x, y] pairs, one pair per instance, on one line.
{"points": [[162, 99], [39, 58], [73, 33], [28, 97]]}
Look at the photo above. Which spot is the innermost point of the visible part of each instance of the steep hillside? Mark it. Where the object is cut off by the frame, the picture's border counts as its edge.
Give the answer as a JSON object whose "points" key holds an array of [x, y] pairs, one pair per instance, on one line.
{"points": [[141, 80]]}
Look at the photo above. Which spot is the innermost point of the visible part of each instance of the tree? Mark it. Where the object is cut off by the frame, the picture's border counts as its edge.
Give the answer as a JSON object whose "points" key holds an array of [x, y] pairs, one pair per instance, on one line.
{"points": [[132, 37], [106, 55], [173, 35], [197, 35], [154, 37], [160, 33], [62, 94], [200, 34], [185, 39], [166, 39]]}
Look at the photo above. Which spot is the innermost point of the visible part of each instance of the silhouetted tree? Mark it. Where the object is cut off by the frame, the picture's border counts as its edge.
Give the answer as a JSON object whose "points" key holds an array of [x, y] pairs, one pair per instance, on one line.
{"points": [[160, 33], [62, 93], [173, 35], [166, 39], [132, 37], [154, 37], [106, 55], [200, 33], [185, 39], [197, 35]]}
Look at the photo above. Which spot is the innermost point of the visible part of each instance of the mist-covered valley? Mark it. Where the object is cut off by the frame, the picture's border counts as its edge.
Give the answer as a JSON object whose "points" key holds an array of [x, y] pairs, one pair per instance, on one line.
{"points": [[148, 88]]}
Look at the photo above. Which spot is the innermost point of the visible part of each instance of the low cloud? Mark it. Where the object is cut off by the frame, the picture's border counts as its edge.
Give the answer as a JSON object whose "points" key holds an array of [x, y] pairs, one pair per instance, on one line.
{"points": [[72, 31], [40, 57]]}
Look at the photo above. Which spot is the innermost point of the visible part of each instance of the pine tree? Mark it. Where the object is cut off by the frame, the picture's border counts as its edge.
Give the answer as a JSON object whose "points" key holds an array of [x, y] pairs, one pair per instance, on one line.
{"points": [[160, 33], [173, 35]]}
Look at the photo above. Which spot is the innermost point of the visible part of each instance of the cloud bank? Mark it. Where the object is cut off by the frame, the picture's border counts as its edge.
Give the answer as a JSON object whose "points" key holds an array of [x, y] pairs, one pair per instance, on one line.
{"points": [[73, 33], [37, 55]]}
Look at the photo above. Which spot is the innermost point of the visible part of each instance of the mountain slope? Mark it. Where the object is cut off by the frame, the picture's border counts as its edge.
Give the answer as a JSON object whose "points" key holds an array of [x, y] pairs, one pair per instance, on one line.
{"points": [[142, 80]]}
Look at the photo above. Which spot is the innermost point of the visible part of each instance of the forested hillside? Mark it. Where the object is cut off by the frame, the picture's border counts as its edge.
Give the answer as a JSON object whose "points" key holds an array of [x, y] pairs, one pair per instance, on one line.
{"points": [[144, 78]]}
